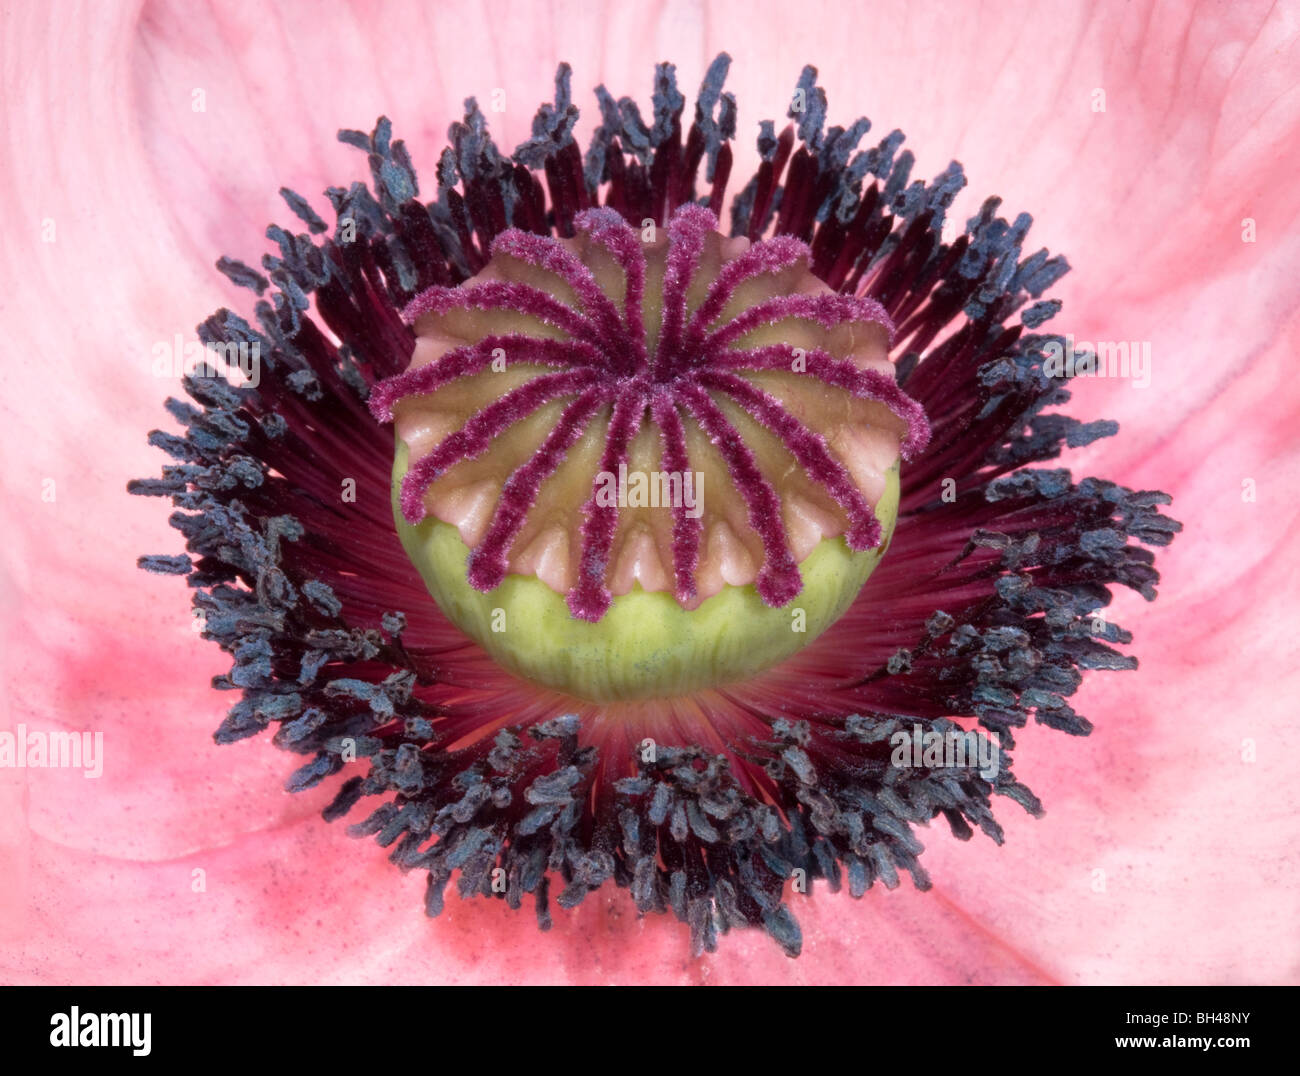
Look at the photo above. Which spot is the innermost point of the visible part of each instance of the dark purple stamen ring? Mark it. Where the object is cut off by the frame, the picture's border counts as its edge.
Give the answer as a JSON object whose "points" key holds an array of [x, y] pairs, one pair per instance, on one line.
{"points": [[987, 614]]}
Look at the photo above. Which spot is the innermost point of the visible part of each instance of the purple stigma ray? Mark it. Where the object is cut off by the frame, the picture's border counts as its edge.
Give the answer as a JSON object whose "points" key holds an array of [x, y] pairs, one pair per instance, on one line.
{"points": [[843, 374], [473, 438], [827, 310], [487, 562], [503, 295], [778, 580], [471, 359], [606, 360], [608, 228], [590, 597], [808, 448], [686, 234], [545, 253], [687, 530], [771, 256]]}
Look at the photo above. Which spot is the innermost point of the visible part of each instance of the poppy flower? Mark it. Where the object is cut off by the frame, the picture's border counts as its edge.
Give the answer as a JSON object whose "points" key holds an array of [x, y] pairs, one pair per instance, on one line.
{"points": [[768, 801]]}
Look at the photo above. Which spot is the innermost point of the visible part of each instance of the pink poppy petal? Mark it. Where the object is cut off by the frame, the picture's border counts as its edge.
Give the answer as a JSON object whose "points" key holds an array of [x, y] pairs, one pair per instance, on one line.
{"points": [[1146, 198]]}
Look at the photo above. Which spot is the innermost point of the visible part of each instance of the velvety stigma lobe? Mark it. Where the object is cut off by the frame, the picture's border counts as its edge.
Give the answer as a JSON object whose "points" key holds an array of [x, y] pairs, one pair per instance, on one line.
{"points": [[685, 354]]}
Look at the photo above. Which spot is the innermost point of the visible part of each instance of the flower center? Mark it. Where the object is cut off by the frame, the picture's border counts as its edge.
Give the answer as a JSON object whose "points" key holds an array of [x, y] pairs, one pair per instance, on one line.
{"points": [[635, 464], [688, 354]]}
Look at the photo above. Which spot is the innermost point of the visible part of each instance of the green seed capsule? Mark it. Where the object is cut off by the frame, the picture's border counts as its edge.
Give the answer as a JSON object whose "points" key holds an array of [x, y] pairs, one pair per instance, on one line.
{"points": [[646, 645]]}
